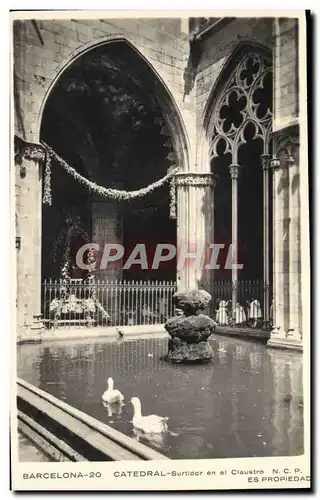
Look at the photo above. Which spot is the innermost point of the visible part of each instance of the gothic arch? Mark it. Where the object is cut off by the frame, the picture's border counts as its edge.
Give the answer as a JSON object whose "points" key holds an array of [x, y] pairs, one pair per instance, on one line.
{"points": [[172, 114], [239, 110], [242, 76]]}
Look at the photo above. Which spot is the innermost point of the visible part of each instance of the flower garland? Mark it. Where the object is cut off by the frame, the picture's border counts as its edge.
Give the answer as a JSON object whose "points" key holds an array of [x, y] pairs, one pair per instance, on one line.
{"points": [[173, 199], [47, 197], [91, 260], [65, 271], [196, 179], [114, 194]]}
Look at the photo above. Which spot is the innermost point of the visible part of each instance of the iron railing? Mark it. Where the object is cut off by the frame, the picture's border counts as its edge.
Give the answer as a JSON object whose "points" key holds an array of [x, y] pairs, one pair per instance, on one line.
{"points": [[252, 297], [103, 303]]}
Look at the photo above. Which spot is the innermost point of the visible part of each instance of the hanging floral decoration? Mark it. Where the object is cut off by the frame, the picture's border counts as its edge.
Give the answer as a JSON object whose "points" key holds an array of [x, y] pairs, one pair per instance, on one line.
{"points": [[113, 194], [91, 260], [173, 199], [65, 271], [47, 197], [66, 265]]}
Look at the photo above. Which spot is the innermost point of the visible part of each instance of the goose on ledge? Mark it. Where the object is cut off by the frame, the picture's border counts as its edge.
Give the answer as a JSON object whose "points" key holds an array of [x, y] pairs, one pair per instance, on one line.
{"points": [[150, 424], [112, 395]]}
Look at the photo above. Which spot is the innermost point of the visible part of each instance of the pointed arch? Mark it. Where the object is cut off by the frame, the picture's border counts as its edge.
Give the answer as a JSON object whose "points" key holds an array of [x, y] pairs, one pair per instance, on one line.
{"points": [[166, 101], [235, 82], [238, 110]]}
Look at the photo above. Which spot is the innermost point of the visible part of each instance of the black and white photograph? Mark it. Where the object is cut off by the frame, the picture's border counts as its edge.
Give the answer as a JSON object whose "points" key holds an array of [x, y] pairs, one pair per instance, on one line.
{"points": [[161, 250]]}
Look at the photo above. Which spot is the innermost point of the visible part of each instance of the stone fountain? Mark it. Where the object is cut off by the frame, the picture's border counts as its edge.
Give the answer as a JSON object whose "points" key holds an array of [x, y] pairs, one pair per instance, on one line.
{"points": [[190, 328]]}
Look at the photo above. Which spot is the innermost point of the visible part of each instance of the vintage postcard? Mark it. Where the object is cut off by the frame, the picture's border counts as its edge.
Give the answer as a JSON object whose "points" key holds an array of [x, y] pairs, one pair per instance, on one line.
{"points": [[159, 190]]}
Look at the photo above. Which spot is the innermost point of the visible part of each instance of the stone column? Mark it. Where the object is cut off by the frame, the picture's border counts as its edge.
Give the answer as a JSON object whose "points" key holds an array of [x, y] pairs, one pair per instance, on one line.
{"points": [[287, 247], [29, 159], [294, 332], [278, 333], [194, 227], [234, 173], [265, 160], [107, 229]]}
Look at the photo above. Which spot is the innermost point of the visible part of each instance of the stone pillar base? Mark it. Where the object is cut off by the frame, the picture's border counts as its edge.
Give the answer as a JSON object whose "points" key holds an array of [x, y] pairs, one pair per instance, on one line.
{"points": [[285, 342], [293, 333], [32, 333], [278, 331]]}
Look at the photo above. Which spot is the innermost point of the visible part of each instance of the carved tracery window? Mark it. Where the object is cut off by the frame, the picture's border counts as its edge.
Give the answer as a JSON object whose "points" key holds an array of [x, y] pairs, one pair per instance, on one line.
{"points": [[246, 102]]}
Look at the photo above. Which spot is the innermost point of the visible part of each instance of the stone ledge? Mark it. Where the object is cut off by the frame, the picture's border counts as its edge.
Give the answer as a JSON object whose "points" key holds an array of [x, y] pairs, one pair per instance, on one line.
{"points": [[246, 333], [94, 332], [134, 330], [46, 442], [75, 431], [291, 344]]}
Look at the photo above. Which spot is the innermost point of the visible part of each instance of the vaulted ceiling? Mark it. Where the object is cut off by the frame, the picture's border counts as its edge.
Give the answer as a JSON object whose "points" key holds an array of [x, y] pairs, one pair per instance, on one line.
{"points": [[104, 117]]}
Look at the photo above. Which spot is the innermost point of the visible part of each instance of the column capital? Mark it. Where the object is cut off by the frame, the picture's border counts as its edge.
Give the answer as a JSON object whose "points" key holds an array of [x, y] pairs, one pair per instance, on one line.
{"points": [[195, 179], [29, 151], [234, 170], [265, 160], [275, 163]]}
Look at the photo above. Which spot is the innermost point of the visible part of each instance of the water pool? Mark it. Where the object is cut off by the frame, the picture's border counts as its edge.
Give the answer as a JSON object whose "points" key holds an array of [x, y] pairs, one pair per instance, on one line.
{"points": [[247, 403]]}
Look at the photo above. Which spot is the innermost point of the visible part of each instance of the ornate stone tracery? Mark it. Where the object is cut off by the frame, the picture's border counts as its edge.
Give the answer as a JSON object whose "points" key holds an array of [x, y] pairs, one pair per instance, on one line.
{"points": [[244, 101], [242, 111]]}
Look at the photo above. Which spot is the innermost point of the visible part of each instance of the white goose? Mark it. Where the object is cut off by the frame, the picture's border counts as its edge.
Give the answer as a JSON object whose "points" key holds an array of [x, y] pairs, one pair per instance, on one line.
{"points": [[112, 395], [150, 424]]}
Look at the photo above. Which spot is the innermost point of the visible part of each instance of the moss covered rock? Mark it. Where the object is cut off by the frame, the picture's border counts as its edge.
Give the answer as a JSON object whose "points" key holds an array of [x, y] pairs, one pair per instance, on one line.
{"points": [[192, 302], [181, 352], [189, 331]]}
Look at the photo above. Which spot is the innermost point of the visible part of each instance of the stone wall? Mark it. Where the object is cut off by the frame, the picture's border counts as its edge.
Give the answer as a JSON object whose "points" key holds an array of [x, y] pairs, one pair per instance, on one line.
{"points": [[28, 257], [287, 277], [219, 46], [41, 52], [286, 83]]}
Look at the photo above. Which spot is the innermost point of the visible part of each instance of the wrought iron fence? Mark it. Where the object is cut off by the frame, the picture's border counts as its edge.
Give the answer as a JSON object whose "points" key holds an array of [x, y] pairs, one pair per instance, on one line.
{"points": [[253, 305], [102, 303]]}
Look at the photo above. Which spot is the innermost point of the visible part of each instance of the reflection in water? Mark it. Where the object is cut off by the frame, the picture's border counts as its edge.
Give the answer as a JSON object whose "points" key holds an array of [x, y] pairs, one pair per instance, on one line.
{"points": [[287, 386], [247, 403], [113, 408], [154, 440]]}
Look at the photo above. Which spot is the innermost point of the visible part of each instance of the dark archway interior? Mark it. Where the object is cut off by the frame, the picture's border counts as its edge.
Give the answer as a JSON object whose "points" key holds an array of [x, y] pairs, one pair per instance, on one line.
{"points": [[242, 104], [250, 210], [104, 117], [222, 211], [250, 207]]}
